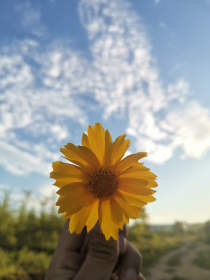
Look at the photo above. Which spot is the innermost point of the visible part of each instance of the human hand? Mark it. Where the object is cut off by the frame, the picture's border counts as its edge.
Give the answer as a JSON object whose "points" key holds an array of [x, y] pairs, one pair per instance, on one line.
{"points": [[88, 256]]}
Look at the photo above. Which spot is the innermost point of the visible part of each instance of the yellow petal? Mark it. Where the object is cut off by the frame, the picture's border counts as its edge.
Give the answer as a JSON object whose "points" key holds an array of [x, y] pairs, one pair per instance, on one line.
{"points": [[65, 181], [129, 210], [85, 141], [137, 167], [61, 169], [75, 155], [73, 201], [96, 137], [89, 156], [93, 217], [153, 191], [134, 186], [72, 187], [87, 216], [138, 174], [120, 146], [66, 216], [116, 211], [147, 175], [125, 218], [108, 227], [129, 161], [65, 173], [131, 199], [121, 225], [152, 184], [148, 198], [108, 150]]}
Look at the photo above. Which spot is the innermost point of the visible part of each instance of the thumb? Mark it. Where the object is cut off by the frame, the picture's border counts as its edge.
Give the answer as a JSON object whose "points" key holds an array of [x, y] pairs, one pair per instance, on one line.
{"points": [[101, 257]]}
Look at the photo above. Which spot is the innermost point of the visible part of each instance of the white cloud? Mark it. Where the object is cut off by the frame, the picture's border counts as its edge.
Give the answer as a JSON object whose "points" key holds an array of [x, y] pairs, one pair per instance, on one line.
{"points": [[127, 79], [178, 91], [40, 99], [190, 127], [21, 162], [30, 19], [122, 63], [42, 111]]}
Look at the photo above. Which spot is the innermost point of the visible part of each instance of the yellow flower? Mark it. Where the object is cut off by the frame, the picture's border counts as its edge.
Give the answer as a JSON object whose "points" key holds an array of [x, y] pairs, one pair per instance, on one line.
{"points": [[100, 185]]}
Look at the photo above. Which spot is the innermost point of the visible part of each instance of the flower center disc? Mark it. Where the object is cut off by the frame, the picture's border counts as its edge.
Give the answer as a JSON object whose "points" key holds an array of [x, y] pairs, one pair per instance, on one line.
{"points": [[103, 183]]}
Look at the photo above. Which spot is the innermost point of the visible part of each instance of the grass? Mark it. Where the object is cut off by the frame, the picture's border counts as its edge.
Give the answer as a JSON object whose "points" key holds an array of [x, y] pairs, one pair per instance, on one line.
{"points": [[175, 260], [23, 264], [203, 259], [152, 255], [28, 240]]}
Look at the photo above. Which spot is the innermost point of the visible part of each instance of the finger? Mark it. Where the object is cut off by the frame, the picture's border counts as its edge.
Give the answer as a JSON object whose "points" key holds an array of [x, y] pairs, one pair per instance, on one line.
{"points": [[113, 277], [141, 277], [123, 235], [67, 259], [70, 242], [122, 239], [130, 263], [101, 257], [122, 243]]}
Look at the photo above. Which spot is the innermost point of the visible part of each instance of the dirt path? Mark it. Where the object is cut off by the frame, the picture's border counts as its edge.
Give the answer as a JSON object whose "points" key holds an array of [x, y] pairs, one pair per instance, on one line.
{"points": [[185, 270]]}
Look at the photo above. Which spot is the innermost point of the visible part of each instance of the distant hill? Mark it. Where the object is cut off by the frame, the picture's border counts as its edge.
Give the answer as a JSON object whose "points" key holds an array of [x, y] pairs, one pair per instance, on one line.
{"points": [[156, 228], [193, 227]]}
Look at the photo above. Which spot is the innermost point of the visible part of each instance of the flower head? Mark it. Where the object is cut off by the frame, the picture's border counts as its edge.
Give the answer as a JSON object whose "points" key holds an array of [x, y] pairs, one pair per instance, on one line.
{"points": [[100, 185]]}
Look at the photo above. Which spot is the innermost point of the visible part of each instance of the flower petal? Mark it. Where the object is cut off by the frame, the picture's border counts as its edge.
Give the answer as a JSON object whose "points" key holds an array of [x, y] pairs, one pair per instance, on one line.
{"points": [[138, 174], [61, 169], [108, 150], [85, 141], [75, 199], [137, 167], [116, 211], [129, 210], [131, 199], [65, 181], [65, 173], [120, 146], [129, 161], [72, 187], [89, 156], [147, 175], [87, 216], [75, 155], [108, 227], [134, 186], [125, 218], [93, 217], [96, 137]]}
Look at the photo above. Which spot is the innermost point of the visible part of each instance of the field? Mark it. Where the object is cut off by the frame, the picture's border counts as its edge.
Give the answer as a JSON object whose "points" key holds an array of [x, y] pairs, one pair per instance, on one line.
{"points": [[28, 240]]}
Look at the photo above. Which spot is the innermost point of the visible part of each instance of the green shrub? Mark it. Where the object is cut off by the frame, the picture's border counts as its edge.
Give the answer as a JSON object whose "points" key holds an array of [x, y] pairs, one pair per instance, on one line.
{"points": [[203, 259]]}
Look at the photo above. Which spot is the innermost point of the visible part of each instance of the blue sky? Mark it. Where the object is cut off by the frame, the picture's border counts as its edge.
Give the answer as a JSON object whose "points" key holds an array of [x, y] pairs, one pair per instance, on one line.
{"points": [[138, 67]]}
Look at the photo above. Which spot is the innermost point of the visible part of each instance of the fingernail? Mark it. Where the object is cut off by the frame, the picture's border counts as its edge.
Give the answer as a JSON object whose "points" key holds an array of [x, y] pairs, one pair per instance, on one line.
{"points": [[130, 274]]}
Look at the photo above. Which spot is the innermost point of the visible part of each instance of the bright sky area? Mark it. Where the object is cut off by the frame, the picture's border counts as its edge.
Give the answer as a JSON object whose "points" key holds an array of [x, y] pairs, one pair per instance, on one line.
{"points": [[139, 67]]}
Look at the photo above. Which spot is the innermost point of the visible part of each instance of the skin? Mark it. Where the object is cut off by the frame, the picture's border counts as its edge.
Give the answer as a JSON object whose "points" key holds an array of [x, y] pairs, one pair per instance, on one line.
{"points": [[89, 256]]}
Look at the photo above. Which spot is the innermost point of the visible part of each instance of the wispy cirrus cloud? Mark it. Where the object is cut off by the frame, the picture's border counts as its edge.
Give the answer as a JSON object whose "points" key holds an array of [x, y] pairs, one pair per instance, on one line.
{"points": [[43, 88], [36, 104], [30, 18], [129, 81]]}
